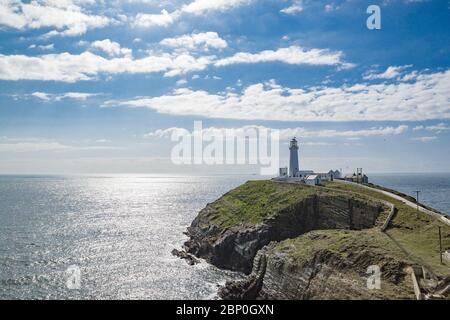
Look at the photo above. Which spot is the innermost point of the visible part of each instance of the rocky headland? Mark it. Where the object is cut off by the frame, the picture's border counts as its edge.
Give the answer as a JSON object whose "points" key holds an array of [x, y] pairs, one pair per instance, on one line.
{"points": [[300, 242]]}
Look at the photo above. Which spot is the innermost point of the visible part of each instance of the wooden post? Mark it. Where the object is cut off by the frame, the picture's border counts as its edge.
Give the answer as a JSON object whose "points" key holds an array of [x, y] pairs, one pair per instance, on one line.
{"points": [[417, 202], [416, 286], [440, 245]]}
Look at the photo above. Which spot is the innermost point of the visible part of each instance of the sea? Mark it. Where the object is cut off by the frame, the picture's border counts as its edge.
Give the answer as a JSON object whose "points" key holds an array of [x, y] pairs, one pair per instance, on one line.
{"points": [[111, 236]]}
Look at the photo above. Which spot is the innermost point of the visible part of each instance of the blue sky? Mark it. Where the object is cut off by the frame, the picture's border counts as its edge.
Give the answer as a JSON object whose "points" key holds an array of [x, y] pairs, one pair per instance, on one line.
{"points": [[97, 86]]}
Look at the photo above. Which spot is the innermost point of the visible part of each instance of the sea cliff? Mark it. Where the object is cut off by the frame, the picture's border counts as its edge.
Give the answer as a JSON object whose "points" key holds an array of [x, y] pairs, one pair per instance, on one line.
{"points": [[301, 242]]}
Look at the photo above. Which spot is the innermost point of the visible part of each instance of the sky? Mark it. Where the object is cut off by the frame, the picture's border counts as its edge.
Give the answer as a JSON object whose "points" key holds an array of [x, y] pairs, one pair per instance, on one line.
{"points": [[92, 86]]}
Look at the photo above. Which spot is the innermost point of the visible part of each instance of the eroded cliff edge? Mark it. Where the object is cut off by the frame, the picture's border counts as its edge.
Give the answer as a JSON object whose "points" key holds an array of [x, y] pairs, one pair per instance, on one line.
{"points": [[229, 231], [309, 242]]}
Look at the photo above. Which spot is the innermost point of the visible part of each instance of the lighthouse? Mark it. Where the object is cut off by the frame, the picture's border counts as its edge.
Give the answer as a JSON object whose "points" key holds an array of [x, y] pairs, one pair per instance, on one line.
{"points": [[293, 158]]}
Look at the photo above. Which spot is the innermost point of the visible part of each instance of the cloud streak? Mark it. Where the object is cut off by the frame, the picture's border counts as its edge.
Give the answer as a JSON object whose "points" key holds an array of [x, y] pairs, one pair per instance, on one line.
{"points": [[196, 41], [425, 99], [67, 17], [196, 7], [287, 133], [67, 95], [390, 73], [68, 67], [294, 55], [112, 48], [294, 8], [438, 128]]}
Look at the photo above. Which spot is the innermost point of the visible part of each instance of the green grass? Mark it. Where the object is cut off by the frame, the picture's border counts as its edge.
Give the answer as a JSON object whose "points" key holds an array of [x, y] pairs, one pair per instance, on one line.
{"points": [[412, 232], [254, 201], [341, 242], [410, 235], [352, 252]]}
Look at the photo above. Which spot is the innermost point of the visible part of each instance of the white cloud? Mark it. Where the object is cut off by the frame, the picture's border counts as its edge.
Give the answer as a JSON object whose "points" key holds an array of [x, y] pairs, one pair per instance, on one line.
{"points": [[295, 7], [410, 76], [21, 147], [181, 82], [202, 6], [288, 133], [203, 41], [112, 48], [32, 145], [371, 132], [390, 73], [163, 19], [196, 7], [67, 17], [424, 139], [41, 95], [331, 7], [441, 127], [50, 46], [291, 55], [425, 99], [86, 66], [67, 95]]}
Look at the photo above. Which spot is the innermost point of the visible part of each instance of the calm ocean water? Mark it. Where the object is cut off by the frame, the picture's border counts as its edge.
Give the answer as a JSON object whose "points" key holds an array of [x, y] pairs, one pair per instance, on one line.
{"points": [[119, 231], [434, 187]]}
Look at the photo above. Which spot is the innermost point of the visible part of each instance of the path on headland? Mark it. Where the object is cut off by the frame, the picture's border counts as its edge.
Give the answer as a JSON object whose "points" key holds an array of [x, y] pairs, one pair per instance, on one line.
{"points": [[426, 274], [411, 204], [442, 287]]}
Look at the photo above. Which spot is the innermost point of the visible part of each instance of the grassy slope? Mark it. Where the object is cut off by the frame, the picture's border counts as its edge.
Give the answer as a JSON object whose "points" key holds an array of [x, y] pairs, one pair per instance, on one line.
{"points": [[409, 235], [340, 241], [350, 242], [413, 233], [254, 201]]}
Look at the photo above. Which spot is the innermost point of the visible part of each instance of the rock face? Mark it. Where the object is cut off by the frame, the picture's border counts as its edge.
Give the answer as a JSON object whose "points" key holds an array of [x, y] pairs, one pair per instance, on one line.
{"points": [[294, 269], [327, 274], [234, 247], [301, 242], [249, 288], [189, 258]]}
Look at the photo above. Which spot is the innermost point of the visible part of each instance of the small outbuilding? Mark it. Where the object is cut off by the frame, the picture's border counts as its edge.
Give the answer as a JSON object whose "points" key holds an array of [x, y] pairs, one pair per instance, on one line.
{"points": [[313, 180], [357, 178]]}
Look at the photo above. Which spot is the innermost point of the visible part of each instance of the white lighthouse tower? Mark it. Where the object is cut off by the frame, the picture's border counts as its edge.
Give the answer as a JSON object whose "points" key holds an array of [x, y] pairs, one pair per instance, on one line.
{"points": [[293, 158]]}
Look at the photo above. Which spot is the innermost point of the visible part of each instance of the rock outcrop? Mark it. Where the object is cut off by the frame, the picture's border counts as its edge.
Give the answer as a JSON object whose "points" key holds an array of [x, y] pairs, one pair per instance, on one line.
{"points": [[300, 242], [249, 288], [234, 247], [332, 272]]}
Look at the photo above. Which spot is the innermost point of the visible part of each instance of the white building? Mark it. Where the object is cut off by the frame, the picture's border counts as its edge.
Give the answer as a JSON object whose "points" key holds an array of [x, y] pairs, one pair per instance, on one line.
{"points": [[304, 173], [313, 180], [294, 168], [309, 177], [330, 175], [337, 174]]}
